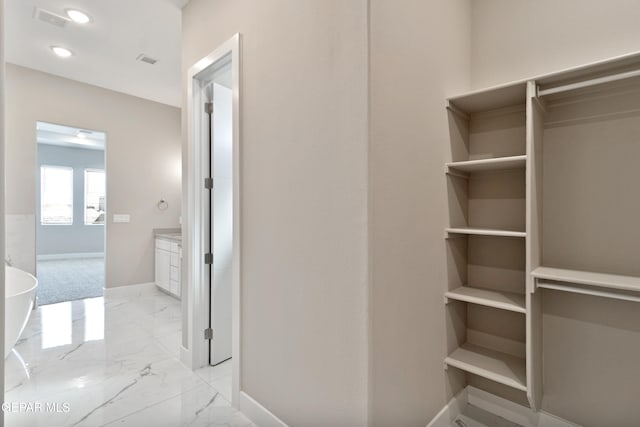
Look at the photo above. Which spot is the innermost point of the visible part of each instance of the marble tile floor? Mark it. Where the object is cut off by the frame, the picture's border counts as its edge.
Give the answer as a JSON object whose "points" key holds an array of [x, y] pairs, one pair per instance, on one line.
{"points": [[112, 361]]}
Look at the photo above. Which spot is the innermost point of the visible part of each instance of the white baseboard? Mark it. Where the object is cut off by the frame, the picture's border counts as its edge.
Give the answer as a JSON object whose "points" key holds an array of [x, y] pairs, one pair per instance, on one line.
{"points": [[512, 411], [48, 257], [498, 406], [257, 413], [451, 410], [548, 420], [185, 357], [131, 290]]}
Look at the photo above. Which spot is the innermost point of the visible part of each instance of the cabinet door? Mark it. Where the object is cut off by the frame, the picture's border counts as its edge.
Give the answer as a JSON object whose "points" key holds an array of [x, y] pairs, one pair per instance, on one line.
{"points": [[163, 269], [175, 259], [178, 291], [175, 288]]}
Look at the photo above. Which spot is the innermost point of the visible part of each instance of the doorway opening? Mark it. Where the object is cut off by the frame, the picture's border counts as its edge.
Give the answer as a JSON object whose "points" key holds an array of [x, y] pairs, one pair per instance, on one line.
{"points": [[70, 213], [214, 212], [220, 210]]}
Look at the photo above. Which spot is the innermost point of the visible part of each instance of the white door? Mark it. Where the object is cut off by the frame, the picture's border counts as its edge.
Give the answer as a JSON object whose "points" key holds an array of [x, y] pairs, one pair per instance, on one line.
{"points": [[222, 222]]}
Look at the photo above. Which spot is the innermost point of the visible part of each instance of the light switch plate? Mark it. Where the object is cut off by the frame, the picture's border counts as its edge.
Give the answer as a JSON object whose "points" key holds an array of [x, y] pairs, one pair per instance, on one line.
{"points": [[121, 218]]}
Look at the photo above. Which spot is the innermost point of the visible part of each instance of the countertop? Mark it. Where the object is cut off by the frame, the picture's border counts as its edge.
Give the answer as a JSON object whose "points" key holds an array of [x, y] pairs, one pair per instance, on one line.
{"points": [[168, 233]]}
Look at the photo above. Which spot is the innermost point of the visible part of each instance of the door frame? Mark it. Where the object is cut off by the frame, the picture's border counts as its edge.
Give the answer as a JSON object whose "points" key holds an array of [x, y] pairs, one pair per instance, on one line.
{"points": [[38, 195], [199, 75]]}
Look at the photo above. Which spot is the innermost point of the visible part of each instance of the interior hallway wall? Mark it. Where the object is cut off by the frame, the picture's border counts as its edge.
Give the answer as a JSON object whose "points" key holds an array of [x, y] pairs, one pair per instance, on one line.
{"points": [[142, 163], [518, 39], [420, 54], [591, 345], [304, 199]]}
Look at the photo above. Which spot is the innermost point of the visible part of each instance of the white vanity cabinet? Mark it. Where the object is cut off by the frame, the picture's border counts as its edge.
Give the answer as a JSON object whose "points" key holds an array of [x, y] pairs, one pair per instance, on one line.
{"points": [[168, 261]]}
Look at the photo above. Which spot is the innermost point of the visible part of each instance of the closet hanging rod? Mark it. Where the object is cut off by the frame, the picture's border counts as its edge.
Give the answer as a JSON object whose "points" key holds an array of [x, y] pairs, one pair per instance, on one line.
{"points": [[588, 83], [576, 290]]}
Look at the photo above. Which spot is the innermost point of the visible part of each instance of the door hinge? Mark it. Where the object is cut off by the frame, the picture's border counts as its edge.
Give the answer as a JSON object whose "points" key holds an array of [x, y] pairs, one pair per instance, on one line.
{"points": [[208, 259], [208, 334], [208, 183], [208, 107]]}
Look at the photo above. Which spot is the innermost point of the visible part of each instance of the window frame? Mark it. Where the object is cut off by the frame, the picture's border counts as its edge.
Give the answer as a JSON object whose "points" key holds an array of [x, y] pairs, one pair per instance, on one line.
{"points": [[84, 205]]}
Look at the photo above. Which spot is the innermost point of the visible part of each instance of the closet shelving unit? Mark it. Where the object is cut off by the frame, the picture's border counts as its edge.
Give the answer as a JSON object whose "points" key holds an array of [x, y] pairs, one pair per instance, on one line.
{"points": [[541, 181], [503, 300], [491, 164], [590, 126], [610, 281], [478, 231], [486, 236]]}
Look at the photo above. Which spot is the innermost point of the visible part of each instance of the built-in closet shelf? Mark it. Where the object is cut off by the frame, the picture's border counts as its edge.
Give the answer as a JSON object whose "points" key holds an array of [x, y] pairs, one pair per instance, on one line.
{"points": [[494, 365], [485, 232], [601, 280], [526, 132], [486, 165], [501, 300], [491, 99]]}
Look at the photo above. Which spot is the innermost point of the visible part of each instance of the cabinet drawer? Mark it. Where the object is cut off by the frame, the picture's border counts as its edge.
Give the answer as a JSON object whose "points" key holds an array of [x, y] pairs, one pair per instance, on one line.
{"points": [[175, 274], [175, 247], [163, 244], [175, 260]]}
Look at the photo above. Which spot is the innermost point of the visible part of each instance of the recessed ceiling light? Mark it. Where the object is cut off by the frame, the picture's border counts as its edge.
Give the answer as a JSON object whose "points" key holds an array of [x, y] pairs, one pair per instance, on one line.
{"points": [[61, 51], [78, 16]]}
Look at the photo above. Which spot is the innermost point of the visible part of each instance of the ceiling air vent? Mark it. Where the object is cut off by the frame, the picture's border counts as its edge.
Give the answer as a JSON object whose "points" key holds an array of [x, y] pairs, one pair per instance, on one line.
{"points": [[49, 17], [144, 58]]}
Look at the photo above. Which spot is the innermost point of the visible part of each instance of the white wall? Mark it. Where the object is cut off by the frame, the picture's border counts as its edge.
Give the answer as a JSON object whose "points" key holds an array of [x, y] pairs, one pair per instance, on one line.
{"points": [[419, 54], [304, 199], [516, 39], [591, 345], [142, 163]]}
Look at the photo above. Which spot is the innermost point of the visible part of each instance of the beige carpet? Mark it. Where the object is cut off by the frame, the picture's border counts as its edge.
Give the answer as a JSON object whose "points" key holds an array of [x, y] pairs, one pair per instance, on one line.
{"points": [[69, 279]]}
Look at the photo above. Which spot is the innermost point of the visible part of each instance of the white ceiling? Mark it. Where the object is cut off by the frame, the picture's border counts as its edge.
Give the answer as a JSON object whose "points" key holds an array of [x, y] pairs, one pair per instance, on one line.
{"points": [[105, 50], [67, 136]]}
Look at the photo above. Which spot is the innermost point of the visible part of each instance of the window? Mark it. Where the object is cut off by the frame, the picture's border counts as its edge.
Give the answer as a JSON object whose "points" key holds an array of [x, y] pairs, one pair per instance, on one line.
{"points": [[94, 193], [56, 195]]}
